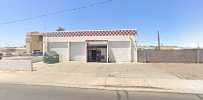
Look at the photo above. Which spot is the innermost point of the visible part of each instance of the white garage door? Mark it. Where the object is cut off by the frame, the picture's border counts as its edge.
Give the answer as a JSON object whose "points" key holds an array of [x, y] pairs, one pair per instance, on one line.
{"points": [[77, 51], [119, 51], [61, 48]]}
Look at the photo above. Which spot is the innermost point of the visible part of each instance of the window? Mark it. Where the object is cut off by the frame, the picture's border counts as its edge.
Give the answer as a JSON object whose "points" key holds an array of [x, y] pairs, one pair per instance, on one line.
{"points": [[40, 38]]}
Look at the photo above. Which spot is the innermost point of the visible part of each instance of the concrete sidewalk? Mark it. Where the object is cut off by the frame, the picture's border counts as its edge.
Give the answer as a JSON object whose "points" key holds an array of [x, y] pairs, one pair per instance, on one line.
{"points": [[104, 76]]}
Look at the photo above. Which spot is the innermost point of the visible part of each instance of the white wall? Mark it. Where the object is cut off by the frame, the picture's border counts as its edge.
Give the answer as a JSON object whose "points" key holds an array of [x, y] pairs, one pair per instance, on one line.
{"points": [[117, 45], [133, 50], [61, 48], [119, 51]]}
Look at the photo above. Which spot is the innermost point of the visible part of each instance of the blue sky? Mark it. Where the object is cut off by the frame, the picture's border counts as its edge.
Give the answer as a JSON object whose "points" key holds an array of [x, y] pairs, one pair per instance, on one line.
{"points": [[179, 21]]}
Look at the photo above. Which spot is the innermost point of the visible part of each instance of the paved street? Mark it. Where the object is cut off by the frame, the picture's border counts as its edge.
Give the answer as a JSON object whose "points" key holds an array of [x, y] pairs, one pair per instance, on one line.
{"points": [[26, 92]]}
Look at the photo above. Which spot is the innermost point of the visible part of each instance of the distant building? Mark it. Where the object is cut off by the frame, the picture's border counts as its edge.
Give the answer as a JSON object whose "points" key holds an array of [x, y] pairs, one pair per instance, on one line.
{"points": [[34, 42], [155, 47]]}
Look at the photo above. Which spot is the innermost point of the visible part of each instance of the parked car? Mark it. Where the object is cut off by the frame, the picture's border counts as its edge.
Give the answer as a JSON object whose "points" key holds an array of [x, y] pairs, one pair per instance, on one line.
{"points": [[7, 54], [25, 54], [37, 53]]}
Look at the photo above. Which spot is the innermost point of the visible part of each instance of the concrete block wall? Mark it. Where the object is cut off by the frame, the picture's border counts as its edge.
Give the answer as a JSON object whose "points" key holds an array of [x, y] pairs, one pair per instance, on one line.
{"points": [[15, 65], [201, 56], [170, 56]]}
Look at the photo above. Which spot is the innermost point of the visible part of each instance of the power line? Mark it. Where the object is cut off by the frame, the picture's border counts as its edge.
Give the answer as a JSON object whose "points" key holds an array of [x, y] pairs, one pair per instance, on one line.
{"points": [[57, 12]]}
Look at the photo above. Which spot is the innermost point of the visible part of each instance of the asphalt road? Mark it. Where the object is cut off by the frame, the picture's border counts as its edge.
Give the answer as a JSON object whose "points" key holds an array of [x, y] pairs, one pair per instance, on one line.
{"points": [[26, 92]]}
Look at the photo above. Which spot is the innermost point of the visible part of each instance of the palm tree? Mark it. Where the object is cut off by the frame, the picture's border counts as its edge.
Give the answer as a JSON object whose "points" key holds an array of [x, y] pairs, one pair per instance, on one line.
{"points": [[60, 29]]}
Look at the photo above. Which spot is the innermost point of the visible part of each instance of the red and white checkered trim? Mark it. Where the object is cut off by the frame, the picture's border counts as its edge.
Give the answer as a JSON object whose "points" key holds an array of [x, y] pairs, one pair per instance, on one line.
{"points": [[91, 33]]}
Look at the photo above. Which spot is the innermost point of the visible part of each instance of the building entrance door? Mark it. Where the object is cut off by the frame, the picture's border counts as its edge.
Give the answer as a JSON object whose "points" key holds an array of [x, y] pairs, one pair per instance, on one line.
{"points": [[94, 55], [97, 54], [97, 51]]}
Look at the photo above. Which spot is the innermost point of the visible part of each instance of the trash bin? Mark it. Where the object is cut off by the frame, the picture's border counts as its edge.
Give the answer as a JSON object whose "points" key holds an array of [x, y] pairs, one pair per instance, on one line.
{"points": [[51, 57]]}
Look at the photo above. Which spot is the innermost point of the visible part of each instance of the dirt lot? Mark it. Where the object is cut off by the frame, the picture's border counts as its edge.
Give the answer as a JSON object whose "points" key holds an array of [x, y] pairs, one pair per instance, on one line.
{"points": [[183, 71]]}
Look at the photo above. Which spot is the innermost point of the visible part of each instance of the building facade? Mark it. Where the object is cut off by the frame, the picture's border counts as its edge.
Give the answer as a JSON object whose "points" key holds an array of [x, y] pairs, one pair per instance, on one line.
{"points": [[93, 46], [34, 42]]}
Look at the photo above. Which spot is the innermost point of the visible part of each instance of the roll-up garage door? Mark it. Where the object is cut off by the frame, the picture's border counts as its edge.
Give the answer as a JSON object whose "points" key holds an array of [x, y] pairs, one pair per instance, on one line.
{"points": [[77, 51], [61, 48], [119, 51]]}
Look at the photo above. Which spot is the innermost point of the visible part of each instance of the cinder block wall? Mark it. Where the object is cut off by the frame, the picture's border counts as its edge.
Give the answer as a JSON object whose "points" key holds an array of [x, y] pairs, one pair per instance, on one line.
{"points": [[15, 65], [201, 56], [170, 56]]}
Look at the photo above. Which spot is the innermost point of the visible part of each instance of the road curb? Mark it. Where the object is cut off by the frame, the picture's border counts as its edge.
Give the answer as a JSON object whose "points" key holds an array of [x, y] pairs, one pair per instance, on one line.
{"points": [[116, 88]]}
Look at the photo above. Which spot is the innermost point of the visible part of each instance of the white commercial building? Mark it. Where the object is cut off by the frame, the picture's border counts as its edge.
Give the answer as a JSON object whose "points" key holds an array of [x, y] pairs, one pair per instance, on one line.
{"points": [[93, 46]]}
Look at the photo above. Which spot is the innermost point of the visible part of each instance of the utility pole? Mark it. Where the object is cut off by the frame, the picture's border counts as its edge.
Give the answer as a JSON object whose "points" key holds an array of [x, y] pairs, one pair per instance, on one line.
{"points": [[159, 43], [44, 25]]}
